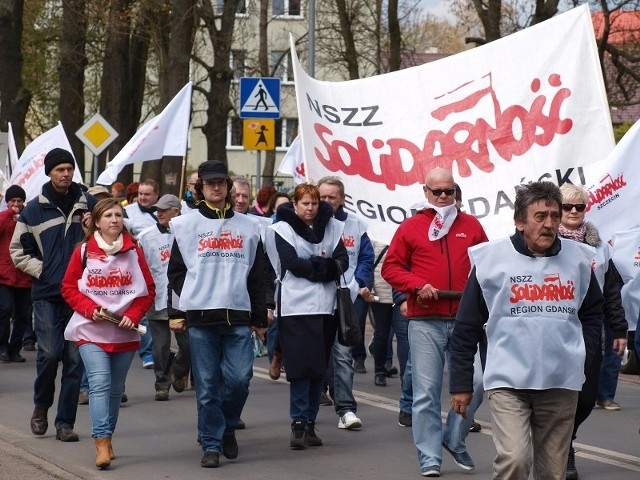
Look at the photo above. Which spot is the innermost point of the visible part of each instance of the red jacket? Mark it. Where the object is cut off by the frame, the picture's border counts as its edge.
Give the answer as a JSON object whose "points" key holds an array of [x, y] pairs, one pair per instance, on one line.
{"points": [[85, 306], [9, 274], [413, 260]]}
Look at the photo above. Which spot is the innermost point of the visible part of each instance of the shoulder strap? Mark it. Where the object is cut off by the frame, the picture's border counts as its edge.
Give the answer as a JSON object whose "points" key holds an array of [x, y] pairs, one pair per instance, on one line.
{"points": [[83, 249], [384, 250]]}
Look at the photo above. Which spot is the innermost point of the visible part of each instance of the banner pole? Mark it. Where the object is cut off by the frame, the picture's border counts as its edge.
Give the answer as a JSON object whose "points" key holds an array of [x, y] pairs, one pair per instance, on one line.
{"points": [[182, 175]]}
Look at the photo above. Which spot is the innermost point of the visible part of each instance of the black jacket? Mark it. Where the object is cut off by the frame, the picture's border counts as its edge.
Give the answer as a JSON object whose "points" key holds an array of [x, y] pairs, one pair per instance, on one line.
{"points": [[473, 314]]}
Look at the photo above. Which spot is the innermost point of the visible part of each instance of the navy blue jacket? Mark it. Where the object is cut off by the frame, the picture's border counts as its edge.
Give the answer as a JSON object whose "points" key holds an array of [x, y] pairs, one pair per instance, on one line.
{"points": [[44, 239]]}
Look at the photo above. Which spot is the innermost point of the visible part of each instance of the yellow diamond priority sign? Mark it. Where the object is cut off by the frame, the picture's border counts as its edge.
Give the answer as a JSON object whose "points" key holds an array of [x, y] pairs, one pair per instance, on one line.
{"points": [[97, 134]]}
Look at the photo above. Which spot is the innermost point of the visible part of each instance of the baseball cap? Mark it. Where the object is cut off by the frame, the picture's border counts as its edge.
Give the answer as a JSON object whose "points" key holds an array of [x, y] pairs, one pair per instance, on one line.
{"points": [[168, 201]]}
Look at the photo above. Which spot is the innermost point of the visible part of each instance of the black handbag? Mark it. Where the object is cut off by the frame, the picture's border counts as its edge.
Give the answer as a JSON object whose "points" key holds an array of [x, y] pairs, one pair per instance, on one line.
{"points": [[349, 333]]}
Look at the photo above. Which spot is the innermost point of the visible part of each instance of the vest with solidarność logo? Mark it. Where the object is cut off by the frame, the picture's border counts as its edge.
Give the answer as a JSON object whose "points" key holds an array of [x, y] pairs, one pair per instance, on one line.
{"points": [[113, 282], [354, 228], [626, 258], [300, 296], [534, 334], [156, 246], [218, 254], [137, 220]]}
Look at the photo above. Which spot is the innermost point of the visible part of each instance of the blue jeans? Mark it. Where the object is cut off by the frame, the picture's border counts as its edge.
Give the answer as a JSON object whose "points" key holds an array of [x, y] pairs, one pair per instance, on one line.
{"points": [[457, 427], [400, 326], [51, 318], [361, 308], [146, 341], [429, 346], [609, 369], [106, 373], [222, 366], [340, 378], [304, 398]]}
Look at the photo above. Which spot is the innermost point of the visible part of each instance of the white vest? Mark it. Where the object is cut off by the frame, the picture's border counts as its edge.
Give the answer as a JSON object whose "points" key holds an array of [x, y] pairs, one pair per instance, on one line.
{"points": [[157, 250], [626, 258], [218, 254], [137, 220], [354, 228], [534, 334], [113, 282], [299, 295]]}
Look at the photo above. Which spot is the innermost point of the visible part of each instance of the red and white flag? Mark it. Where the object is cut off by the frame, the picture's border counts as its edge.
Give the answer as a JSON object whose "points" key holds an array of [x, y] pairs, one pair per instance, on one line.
{"points": [[293, 162]]}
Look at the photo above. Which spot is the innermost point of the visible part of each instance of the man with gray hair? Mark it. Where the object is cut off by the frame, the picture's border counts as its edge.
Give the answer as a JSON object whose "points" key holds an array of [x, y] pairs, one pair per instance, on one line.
{"points": [[539, 302]]}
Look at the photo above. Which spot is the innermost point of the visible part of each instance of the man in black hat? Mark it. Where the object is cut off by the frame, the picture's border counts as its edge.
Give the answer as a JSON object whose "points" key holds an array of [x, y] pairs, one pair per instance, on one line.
{"points": [[223, 296], [46, 233], [15, 286]]}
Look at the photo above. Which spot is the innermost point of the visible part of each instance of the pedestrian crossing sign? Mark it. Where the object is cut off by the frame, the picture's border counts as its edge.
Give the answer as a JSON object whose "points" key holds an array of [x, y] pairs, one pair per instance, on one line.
{"points": [[259, 97], [259, 134]]}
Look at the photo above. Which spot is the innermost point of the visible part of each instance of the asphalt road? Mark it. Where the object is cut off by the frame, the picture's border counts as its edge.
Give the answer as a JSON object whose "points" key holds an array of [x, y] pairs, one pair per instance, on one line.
{"points": [[157, 440]]}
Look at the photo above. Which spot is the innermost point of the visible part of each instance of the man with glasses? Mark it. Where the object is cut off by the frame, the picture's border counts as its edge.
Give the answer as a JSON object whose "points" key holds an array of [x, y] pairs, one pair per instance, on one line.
{"points": [[216, 268], [189, 202], [428, 255]]}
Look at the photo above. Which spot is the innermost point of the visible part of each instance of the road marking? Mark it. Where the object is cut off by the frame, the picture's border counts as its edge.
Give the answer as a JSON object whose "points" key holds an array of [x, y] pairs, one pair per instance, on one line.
{"points": [[590, 452]]}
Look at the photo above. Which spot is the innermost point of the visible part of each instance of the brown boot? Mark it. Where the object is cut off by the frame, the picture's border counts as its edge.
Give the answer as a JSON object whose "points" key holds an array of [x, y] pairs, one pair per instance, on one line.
{"points": [[39, 423], [276, 365], [103, 459], [111, 454]]}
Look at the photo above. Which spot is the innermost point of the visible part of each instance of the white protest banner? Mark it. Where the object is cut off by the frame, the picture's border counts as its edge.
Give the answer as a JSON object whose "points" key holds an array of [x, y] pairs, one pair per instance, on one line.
{"points": [[12, 154], [526, 107], [612, 186], [29, 169], [293, 162], [166, 134]]}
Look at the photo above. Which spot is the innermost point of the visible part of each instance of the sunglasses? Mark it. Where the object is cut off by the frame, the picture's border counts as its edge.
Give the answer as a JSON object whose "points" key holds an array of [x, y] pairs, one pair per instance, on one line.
{"points": [[580, 207], [438, 191]]}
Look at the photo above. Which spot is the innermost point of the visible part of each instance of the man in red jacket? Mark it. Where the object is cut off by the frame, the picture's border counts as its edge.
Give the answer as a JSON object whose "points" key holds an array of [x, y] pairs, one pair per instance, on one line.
{"points": [[15, 286], [428, 254]]}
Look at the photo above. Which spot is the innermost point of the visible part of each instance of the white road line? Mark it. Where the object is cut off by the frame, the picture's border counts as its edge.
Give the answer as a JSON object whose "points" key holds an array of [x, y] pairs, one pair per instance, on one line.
{"points": [[597, 454]]}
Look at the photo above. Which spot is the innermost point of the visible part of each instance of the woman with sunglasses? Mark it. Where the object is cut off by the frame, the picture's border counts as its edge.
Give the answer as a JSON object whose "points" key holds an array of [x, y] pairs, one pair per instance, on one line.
{"points": [[574, 227]]}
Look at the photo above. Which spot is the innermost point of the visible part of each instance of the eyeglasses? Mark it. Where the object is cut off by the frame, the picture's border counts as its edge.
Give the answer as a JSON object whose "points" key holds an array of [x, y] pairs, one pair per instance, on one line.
{"points": [[580, 207], [439, 191]]}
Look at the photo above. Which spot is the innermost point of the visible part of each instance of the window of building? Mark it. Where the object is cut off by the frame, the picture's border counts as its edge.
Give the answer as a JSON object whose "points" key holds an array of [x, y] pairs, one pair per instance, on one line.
{"points": [[281, 66], [234, 132], [238, 64], [289, 8], [286, 131], [218, 6]]}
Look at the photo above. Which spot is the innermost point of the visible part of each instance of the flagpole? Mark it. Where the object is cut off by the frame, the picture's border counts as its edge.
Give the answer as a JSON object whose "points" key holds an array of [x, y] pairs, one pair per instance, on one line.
{"points": [[182, 175]]}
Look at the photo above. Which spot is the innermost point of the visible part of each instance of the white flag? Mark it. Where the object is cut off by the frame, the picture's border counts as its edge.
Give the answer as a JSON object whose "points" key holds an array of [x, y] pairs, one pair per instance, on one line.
{"points": [[12, 153], [165, 134], [293, 162], [528, 106], [612, 184], [28, 171]]}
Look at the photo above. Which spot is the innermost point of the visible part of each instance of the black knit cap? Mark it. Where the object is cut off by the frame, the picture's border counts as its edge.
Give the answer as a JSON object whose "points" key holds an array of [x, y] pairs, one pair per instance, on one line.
{"points": [[15, 191], [212, 169], [56, 157]]}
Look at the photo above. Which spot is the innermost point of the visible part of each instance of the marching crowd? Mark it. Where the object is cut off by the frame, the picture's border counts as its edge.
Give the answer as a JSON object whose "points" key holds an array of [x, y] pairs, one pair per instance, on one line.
{"points": [[538, 320]]}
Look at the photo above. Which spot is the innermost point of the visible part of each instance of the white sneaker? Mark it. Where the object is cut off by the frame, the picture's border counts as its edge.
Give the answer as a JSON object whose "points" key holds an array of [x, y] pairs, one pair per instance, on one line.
{"points": [[349, 421]]}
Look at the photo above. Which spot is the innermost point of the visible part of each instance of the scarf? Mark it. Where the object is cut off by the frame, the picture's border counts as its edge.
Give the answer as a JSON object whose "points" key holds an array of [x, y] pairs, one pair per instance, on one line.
{"points": [[578, 234], [442, 221], [105, 247]]}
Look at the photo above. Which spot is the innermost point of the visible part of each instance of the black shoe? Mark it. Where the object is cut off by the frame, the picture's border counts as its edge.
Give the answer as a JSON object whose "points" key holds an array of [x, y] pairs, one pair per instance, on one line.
{"points": [[475, 427], [29, 346], [162, 395], [390, 372], [39, 422], [230, 446], [358, 366], [324, 399], [380, 380], [572, 473], [66, 434], [310, 437], [296, 441], [4, 357], [405, 419], [124, 398], [16, 358], [241, 425], [210, 460]]}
